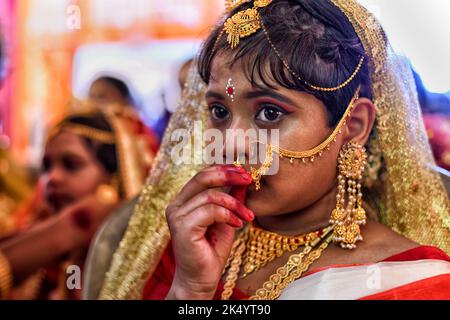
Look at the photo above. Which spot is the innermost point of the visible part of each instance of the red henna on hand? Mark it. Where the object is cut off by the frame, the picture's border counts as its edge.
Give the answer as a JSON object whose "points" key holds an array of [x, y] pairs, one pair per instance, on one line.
{"points": [[239, 193], [233, 178], [211, 237]]}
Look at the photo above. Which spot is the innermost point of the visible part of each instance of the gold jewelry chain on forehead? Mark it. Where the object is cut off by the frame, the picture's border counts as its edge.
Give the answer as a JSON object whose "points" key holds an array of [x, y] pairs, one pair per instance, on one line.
{"points": [[246, 22], [296, 75], [86, 131]]}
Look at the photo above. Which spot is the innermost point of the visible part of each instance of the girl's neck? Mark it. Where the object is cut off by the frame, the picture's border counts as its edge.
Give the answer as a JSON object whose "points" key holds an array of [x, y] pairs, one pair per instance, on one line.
{"points": [[306, 220]]}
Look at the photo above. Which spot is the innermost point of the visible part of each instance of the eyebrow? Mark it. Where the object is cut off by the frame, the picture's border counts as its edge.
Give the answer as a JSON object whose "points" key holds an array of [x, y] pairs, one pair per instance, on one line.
{"points": [[214, 94], [255, 94], [269, 93]]}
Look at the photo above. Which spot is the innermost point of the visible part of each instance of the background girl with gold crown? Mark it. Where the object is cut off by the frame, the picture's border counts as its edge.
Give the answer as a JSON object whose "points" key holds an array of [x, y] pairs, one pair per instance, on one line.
{"points": [[93, 161], [355, 189]]}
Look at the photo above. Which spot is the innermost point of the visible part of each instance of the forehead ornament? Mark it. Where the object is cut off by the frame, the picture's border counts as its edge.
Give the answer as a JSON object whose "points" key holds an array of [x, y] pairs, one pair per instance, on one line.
{"points": [[230, 89]]}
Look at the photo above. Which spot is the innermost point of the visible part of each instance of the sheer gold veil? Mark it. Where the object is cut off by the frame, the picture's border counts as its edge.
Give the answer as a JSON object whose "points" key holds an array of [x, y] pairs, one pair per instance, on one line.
{"points": [[409, 195]]}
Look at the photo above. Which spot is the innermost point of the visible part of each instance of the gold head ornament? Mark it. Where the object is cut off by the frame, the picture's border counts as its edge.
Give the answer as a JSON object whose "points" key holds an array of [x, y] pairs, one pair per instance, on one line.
{"points": [[83, 130], [246, 22]]}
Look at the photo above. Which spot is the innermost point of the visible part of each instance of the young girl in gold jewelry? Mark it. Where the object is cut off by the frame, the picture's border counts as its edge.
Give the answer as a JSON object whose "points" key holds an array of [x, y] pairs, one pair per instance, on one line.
{"points": [[355, 210]]}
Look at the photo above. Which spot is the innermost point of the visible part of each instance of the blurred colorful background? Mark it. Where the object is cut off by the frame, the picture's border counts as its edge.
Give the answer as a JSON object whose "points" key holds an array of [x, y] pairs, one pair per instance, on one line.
{"points": [[55, 49]]}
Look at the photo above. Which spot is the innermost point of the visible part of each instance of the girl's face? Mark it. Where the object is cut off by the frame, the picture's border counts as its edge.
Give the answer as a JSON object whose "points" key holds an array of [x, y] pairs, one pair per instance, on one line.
{"points": [[302, 123], [70, 171]]}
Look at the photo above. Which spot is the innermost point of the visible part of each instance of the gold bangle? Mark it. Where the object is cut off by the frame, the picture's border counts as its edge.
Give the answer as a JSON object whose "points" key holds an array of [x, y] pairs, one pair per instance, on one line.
{"points": [[5, 277]]}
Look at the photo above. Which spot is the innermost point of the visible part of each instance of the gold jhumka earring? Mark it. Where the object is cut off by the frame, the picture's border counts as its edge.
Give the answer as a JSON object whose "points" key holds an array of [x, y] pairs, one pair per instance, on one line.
{"points": [[349, 213]]}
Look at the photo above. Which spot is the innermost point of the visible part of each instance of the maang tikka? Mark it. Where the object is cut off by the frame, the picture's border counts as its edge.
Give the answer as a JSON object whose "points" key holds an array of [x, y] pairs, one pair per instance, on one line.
{"points": [[230, 89]]}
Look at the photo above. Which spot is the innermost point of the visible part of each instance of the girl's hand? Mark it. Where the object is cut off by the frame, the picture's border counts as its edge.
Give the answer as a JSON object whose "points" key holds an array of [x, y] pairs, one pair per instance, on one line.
{"points": [[202, 222]]}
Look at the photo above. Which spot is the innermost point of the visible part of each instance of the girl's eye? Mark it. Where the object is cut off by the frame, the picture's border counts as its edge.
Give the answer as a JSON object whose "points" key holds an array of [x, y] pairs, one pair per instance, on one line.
{"points": [[72, 165], [46, 165], [218, 112], [270, 114]]}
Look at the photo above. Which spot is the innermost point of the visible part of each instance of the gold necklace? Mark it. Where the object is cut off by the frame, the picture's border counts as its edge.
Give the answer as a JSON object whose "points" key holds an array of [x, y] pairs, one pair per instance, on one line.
{"points": [[291, 271], [234, 264], [296, 266], [264, 246]]}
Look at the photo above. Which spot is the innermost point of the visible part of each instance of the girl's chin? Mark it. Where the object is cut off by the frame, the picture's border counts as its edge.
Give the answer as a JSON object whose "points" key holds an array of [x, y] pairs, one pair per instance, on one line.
{"points": [[258, 201]]}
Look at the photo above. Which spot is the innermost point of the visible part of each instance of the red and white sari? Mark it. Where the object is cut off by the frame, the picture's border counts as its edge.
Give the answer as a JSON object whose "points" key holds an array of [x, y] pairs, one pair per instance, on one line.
{"points": [[419, 273]]}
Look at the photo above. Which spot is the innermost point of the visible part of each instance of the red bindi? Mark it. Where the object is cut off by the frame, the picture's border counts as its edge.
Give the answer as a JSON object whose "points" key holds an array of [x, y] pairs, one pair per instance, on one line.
{"points": [[230, 89], [211, 237]]}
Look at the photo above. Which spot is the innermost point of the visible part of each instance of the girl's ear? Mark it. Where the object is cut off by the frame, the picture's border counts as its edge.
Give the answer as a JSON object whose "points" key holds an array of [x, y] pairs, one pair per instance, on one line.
{"points": [[361, 121]]}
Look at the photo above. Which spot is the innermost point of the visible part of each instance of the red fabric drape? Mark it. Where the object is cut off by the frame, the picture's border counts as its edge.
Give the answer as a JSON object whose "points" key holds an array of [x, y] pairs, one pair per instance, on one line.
{"points": [[159, 284]]}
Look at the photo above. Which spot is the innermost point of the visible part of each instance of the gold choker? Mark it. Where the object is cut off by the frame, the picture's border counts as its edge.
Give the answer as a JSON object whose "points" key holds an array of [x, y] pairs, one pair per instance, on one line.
{"points": [[264, 246]]}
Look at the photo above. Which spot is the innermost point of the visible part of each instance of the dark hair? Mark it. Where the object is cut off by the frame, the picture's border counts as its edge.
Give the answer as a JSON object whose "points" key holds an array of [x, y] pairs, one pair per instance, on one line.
{"points": [[119, 85], [105, 153], [314, 37]]}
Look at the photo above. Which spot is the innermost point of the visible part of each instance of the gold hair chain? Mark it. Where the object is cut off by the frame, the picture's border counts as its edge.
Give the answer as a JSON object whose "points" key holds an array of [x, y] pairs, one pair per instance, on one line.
{"points": [[247, 22], [296, 75]]}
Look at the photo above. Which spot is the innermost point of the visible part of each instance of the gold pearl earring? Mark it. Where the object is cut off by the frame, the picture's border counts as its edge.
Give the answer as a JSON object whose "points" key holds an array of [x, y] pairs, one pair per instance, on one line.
{"points": [[349, 214]]}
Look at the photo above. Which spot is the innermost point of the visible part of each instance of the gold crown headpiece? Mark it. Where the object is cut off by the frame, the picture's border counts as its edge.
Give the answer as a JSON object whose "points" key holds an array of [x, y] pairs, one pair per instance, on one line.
{"points": [[83, 130], [247, 22]]}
